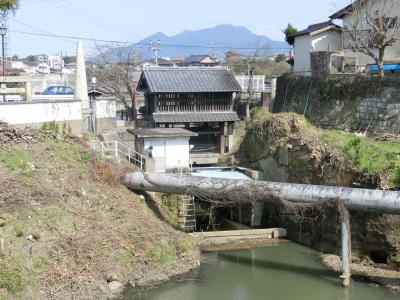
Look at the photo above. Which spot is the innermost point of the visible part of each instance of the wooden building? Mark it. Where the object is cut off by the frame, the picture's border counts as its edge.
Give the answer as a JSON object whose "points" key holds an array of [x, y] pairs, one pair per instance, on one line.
{"points": [[196, 99]]}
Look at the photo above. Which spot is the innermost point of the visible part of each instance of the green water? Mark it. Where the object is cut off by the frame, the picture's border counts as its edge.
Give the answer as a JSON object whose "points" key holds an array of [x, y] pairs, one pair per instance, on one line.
{"points": [[284, 272]]}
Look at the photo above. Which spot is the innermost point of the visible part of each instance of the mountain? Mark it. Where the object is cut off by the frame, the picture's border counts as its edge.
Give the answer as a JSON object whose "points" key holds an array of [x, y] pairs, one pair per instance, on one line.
{"points": [[216, 40]]}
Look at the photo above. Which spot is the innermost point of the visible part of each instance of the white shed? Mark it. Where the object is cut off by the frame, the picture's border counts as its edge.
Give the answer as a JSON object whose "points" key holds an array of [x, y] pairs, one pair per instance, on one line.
{"points": [[170, 147], [324, 36]]}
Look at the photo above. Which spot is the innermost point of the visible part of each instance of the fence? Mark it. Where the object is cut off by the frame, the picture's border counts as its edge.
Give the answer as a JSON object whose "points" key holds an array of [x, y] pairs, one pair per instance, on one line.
{"points": [[118, 149]]}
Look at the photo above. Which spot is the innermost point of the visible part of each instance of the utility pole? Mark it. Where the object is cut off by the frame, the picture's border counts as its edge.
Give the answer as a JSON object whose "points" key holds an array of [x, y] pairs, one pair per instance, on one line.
{"points": [[155, 48], [3, 32]]}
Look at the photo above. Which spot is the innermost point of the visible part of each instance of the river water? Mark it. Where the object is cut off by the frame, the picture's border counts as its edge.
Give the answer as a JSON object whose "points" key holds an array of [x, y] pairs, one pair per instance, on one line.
{"points": [[285, 272]]}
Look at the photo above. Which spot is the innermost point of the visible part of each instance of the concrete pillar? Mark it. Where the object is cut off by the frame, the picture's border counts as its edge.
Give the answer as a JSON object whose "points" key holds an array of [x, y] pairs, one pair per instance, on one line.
{"points": [[224, 131], [346, 247], [28, 91], [81, 89], [266, 100], [274, 82], [221, 140], [256, 214], [231, 141], [44, 82]]}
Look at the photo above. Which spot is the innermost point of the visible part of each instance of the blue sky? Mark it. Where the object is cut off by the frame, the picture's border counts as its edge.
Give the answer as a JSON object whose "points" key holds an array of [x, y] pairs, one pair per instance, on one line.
{"points": [[132, 20]]}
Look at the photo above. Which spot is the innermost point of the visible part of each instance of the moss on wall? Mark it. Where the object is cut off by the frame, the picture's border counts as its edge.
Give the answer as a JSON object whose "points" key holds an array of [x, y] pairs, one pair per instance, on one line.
{"points": [[331, 102]]}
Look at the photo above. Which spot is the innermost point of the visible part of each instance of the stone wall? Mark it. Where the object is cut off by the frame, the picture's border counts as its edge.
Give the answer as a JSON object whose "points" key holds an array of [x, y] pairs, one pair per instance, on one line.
{"points": [[380, 113], [342, 101]]}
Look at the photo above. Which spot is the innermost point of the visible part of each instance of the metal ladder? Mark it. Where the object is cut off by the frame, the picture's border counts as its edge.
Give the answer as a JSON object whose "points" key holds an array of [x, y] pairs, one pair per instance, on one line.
{"points": [[187, 213]]}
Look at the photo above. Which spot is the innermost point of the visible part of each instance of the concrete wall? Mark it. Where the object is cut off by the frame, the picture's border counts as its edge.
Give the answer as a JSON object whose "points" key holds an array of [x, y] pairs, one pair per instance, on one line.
{"points": [[326, 41], [37, 113], [302, 48], [40, 112], [170, 154]]}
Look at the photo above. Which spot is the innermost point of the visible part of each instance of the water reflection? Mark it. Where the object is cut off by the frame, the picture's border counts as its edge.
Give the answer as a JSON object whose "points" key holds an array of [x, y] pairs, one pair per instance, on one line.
{"points": [[287, 272]]}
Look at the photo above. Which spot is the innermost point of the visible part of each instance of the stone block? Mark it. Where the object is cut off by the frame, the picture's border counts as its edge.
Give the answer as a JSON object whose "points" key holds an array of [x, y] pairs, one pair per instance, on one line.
{"points": [[283, 156]]}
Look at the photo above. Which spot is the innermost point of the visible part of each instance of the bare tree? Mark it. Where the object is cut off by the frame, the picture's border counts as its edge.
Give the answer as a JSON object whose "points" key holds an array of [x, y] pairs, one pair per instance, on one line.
{"points": [[251, 64], [373, 26], [117, 76]]}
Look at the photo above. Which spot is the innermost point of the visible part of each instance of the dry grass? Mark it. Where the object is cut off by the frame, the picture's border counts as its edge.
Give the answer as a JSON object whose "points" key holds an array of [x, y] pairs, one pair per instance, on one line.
{"points": [[86, 227]]}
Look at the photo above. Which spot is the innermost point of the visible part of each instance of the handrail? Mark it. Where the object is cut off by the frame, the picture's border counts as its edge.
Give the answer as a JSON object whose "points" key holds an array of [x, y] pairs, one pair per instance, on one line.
{"points": [[117, 149]]}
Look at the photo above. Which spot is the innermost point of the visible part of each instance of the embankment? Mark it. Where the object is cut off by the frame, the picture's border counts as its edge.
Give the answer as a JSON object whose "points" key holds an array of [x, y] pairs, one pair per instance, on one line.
{"points": [[286, 147], [71, 230], [346, 102]]}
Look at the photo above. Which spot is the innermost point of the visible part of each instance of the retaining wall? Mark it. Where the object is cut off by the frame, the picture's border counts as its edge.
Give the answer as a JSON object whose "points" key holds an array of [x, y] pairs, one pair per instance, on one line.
{"points": [[342, 102]]}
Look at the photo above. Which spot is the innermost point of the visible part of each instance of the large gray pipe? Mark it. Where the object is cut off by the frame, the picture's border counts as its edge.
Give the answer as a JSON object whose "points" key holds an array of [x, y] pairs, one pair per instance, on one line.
{"points": [[356, 199]]}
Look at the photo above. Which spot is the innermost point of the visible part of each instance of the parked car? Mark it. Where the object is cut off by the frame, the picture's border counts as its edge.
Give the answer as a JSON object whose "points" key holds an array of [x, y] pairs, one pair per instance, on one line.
{"points": [[58, 90]]}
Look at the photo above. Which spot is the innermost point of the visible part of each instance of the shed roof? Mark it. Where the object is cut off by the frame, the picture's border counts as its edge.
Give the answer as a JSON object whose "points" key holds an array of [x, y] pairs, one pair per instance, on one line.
{"points": [[317, 27], [195, 117], [161, 132], [189, 80]]}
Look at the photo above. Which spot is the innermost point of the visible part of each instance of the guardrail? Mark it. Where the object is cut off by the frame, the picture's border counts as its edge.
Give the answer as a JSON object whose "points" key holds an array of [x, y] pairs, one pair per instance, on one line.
{"points": [[118, 149]]}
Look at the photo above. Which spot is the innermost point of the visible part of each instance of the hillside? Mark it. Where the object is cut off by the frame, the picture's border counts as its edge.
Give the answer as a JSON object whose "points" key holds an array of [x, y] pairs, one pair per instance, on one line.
{"points": [[70, 229], [233, 37]]}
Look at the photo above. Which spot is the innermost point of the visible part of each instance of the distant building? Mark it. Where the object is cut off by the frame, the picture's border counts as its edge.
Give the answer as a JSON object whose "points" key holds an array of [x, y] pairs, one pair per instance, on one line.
{"points": [[196, 99], [165, 62], [199, 61], [43, 68], [234, 56], [55, 62], [319, 37], [180, 59]]}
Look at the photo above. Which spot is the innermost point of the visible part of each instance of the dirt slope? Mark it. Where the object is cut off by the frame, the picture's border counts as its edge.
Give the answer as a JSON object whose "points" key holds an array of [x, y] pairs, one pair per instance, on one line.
{"points": [[71, 230]]}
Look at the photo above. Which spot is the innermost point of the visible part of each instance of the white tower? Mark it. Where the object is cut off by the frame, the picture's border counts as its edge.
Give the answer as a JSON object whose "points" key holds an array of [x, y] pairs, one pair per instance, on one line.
{"points": [[81, 89]]}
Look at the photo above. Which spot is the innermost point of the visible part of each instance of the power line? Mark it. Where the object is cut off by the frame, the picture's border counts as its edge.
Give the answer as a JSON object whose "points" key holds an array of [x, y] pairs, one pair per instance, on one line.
{"points": [[38, 29], [145, 44], [66, 7]]}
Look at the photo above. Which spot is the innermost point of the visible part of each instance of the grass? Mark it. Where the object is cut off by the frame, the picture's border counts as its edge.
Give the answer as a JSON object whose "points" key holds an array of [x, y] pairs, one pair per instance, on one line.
{"points": [[125, 256], [11, 280], [186, 245], [70, 154], [170, 208], [162, 254], [367, 155], [17, 160], [363, 154]]}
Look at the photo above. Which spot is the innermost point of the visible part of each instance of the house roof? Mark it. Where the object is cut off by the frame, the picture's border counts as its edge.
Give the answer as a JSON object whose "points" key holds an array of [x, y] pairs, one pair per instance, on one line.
{"points": [[317, 27], [235, 53], [180, 58], [189, 80], [161, 132], [342, 12], [196, 58], [195, 117]]}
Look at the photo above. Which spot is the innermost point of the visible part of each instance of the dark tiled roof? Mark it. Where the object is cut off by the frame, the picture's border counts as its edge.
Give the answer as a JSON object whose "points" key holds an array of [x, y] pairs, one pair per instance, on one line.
{"points": [[195, 117], [162, 132], [341, 13], [189, 80], [315, 27]]}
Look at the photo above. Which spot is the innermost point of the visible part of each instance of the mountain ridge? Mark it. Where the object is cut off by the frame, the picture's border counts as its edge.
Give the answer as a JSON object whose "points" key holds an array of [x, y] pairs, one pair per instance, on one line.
{"points": [[214, 41]]}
